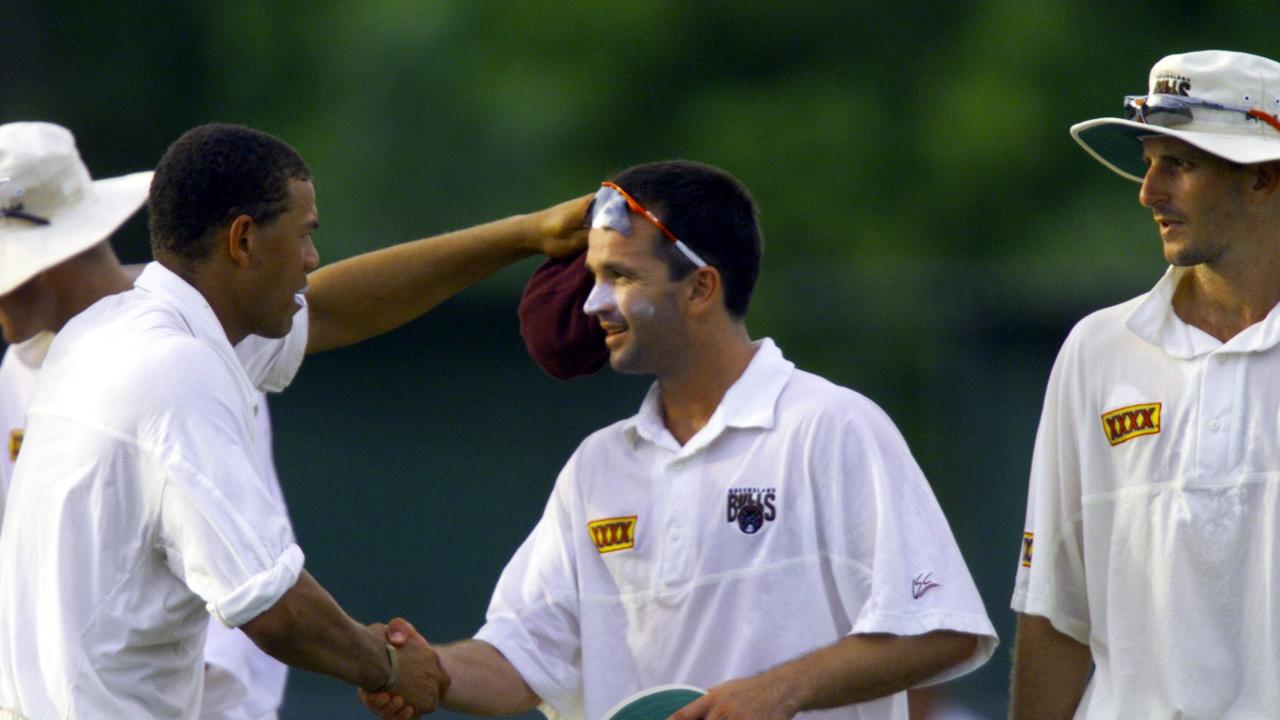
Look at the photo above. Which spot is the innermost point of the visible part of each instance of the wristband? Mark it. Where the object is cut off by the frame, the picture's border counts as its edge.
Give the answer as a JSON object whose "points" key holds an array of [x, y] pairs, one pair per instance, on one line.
{"points": [[394, 657]]}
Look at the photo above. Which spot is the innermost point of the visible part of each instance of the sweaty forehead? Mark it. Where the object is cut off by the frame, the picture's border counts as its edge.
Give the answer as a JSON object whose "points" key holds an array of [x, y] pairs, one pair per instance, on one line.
{"points": [[1156, 145], [605, 245], [302, 199]]}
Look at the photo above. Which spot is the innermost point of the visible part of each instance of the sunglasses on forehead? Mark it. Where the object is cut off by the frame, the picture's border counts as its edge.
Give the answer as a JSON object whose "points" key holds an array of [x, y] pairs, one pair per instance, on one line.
{"points": [[1173, 110], [609, 209]]}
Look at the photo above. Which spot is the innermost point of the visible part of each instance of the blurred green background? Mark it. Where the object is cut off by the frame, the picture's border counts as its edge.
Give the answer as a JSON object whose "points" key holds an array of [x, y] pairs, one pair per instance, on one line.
{"points": [[932, 232]]}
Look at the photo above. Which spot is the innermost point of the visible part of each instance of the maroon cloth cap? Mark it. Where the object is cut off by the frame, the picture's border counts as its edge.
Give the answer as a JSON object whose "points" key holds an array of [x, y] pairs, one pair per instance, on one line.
{"points": [[564, 341]]}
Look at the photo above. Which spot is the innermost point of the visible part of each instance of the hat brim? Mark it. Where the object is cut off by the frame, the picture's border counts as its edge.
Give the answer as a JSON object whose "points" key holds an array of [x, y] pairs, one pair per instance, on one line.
{"points": [[26, 251], [1117, 144]]}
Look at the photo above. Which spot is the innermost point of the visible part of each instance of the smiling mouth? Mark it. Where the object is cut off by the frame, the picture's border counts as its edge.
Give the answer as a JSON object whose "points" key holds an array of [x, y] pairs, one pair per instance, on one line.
{"points": [[612, 332]]}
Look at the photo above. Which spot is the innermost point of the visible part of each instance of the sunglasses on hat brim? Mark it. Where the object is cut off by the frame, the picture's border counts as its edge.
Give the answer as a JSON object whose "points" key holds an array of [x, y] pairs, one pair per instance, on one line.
{"points": [[1174, 110]]}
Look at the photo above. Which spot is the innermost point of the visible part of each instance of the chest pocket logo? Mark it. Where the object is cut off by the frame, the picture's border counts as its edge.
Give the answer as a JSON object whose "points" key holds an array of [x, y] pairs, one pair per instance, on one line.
{"points": [[1127, 423], [15, 443], [613, 534]]}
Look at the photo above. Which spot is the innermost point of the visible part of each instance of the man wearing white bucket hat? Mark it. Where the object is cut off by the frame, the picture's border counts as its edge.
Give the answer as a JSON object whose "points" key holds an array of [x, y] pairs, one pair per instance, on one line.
{"points": [[137, 506], [51, 271], [1147, 584]]}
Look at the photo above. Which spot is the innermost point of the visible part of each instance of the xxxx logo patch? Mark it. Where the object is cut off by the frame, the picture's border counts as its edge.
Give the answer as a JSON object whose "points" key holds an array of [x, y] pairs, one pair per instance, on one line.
{"points": [[1127, 423], [1028, 541], [15, 443], [613, 534]]}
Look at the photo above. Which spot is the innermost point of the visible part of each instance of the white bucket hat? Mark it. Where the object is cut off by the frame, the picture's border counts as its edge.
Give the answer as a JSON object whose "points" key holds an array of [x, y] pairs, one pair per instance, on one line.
{"points": [[1225, 103], [50, 209]]}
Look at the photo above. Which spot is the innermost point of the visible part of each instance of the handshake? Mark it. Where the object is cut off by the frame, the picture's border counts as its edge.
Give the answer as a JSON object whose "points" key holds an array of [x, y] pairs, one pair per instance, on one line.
{"points": [[418, 681]]}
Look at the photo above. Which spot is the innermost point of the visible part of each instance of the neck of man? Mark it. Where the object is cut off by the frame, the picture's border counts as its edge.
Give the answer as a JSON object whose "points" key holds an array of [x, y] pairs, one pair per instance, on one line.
{"points": [[690, 397], [1223, 300], [83, 281], [212, 282]]}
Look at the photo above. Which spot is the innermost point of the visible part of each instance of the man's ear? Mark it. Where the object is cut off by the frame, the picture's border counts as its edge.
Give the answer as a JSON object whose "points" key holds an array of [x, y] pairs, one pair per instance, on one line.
{"points": [[1267, 177], [239, 240], [706, 290]]}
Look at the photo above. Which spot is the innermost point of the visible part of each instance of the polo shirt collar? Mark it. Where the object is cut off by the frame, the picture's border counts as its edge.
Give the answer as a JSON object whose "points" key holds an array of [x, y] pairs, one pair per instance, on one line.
{"points": [[32, 353], [1154, 320], [750, 402], [166, 286]]}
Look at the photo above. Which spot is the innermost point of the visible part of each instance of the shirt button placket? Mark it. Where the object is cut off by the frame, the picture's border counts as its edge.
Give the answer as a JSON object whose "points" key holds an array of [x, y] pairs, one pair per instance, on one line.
{"points": [[1218, 403], [676, 560]]}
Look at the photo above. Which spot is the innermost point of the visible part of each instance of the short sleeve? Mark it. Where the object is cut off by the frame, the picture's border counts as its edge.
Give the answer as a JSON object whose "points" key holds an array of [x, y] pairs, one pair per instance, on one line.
{"points": [[533, 617], [906, 573], [271, 363], [1050, 580], [220, 528]]}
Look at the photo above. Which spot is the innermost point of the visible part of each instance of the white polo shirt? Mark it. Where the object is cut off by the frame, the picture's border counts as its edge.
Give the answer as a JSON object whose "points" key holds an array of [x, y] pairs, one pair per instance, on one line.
{"points": [[797, 516], [18, 371], [1151, 525], [136, 509]]}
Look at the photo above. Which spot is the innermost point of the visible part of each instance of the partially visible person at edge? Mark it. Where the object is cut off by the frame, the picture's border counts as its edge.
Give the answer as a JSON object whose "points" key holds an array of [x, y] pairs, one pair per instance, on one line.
{"points": [[142, 502], [1147, 583], [755, 529]]}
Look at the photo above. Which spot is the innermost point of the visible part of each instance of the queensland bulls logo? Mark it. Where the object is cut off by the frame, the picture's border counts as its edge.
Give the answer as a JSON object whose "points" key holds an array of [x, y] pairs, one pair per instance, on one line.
{"points": [[1168, 83], [751, 508], [1127, 423], [15, 443]]}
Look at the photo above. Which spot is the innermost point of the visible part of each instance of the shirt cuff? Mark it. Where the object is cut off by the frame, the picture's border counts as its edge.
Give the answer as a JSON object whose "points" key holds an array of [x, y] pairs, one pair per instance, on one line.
{"points": [[260, 592], [534, 670]]}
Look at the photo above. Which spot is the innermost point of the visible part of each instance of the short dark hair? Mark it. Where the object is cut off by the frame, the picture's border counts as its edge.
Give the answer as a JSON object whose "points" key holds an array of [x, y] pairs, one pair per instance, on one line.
{"points": [[211, 175], [711, 212]]}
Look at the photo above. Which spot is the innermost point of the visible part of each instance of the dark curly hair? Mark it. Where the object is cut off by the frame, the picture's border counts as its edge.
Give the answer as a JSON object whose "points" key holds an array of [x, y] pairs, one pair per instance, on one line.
{"points": [[710, 211], [211, 175]]}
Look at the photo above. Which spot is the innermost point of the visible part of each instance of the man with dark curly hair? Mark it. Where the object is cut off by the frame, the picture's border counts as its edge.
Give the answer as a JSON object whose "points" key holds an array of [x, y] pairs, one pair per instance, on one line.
{"points": [[137, 507]]}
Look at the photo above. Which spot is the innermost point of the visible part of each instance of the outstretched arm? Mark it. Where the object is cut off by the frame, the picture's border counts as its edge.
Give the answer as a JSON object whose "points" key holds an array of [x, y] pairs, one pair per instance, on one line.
{"points": [[855, 669], [1050, 671], [307, 629], [369, 294]]}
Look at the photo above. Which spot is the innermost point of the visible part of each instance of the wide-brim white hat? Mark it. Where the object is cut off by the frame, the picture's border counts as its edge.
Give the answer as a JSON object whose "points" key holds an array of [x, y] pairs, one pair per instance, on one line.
{"points": [[1218, 76], [42, 178]]}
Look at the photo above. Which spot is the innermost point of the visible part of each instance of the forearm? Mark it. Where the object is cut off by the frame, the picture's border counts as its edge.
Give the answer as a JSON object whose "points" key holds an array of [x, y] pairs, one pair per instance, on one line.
{"points": [[864, 667], [1050, 671], [484, 682], [307, 629], [372, 293]]}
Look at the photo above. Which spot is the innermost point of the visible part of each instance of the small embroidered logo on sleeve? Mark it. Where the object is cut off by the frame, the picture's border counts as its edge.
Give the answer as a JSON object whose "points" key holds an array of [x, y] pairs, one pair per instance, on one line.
{"points": [[1127, 423], [613, 534], [922, 584], [15, 443], [1028, 539]]}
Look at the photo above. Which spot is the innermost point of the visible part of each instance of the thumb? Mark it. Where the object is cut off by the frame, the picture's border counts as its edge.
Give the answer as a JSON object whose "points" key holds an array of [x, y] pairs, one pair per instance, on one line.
{"points": [[693, 711], [399, 631]]}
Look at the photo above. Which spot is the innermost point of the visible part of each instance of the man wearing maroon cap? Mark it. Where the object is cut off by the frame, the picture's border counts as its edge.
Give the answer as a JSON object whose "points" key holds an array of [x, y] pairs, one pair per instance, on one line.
{"points": [[754, 529]]}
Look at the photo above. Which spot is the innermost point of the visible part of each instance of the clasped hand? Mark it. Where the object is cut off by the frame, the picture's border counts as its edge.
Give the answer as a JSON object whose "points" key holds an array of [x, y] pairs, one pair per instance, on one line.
{"points": [[423, 681]]}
